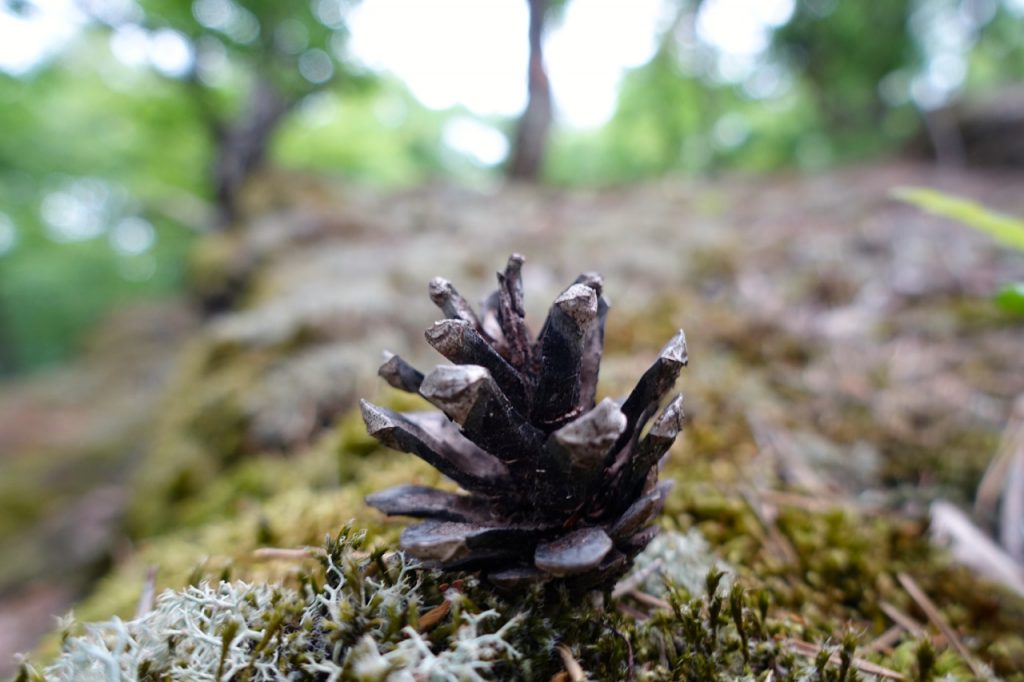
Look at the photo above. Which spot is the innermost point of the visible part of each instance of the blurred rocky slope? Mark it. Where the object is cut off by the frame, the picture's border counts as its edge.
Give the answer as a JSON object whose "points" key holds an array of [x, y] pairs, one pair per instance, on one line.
{"points": [[842, 345]]}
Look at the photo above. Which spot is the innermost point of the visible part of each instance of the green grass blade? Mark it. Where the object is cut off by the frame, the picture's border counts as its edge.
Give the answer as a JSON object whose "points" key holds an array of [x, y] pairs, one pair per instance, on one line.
{"points": [[1011, 298], [1004, 229]]}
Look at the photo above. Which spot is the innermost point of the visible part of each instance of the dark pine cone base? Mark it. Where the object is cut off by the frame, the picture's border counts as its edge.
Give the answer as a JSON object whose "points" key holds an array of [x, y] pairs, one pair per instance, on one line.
{"points": [[558, 487]]}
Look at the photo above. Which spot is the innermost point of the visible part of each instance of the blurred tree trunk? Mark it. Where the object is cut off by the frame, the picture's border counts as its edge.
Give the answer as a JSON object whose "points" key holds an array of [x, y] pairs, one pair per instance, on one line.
{"points": [[532, 134], [242, 146]]}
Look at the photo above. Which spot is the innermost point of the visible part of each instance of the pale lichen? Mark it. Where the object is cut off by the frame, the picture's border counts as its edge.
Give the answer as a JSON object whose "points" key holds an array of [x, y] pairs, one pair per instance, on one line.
{"points": [[362, 623]]}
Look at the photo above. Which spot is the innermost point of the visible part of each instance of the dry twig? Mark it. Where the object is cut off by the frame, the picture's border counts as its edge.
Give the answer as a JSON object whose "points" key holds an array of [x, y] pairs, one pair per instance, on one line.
{"points": [[902, 619], [973, 548], [630, 583], [572, 666], [886, 640], [811, 650], [936, 618], [649, 599], [434, 616]]}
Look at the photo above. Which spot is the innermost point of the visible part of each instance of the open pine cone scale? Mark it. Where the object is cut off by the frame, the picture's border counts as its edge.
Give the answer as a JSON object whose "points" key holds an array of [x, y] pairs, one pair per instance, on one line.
{"points": [[557, 487]]}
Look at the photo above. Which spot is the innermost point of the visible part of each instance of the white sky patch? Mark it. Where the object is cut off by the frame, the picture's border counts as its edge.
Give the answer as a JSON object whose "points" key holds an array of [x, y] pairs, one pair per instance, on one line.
{"points": [[448, 52], [170, 52], [482, 142], [472, 53], [8, 234], [132, 236], [740, 31], [43, 29], [130, 45], [742, 27], [77, 212], [587, 54], [316, 66]]}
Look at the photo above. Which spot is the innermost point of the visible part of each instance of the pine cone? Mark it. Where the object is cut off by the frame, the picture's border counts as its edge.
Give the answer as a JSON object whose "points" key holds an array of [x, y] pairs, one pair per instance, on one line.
{"points": [[557, 487]]}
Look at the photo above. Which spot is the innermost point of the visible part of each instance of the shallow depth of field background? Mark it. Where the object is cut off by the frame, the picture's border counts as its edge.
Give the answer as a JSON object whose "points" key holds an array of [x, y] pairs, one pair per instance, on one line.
{"points": [[110, 111]]}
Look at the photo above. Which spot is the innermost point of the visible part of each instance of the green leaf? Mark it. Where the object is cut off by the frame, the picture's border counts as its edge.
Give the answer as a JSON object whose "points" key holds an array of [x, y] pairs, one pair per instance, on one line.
{"points": [[1004, 229], [1011, 298]]}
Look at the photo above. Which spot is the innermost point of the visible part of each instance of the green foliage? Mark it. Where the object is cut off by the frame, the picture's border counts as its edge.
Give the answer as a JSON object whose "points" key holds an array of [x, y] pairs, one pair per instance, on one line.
{"points": [[843, 70], [1011, 298], [379, 135], [1005, 230], [151, 137], [84, 156]]}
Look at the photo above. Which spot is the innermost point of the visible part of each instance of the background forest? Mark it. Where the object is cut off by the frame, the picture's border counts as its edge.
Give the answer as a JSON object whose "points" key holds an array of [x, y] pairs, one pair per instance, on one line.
{"points": [[127, 128]]}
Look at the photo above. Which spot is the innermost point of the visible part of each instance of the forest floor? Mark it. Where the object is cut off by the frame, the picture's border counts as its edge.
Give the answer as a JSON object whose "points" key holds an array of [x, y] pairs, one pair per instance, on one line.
{"points": [[843, 347]]}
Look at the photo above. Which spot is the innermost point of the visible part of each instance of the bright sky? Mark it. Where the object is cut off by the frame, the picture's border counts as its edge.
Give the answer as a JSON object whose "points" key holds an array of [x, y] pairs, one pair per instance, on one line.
{"points": [[474, 53], [457, 52]]}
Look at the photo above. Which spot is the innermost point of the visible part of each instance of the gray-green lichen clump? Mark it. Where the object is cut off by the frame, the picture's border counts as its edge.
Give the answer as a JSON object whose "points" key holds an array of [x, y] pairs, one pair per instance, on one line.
{"points": [[559, 485], [363, 622]]}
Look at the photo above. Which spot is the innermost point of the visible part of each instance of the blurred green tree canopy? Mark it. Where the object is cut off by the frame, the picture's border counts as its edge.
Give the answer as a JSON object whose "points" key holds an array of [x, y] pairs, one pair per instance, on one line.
{"points": [[115, 155]]}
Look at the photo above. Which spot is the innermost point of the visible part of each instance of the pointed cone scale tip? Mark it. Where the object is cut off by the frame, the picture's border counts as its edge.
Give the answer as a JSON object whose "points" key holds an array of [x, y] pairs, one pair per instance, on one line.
{"points": [[375, 418], [578, 302], [670, 422], [675, 350], [594, 280], [446, 335], [438, 289], [389, 366], [640, 512], [454, 388]]}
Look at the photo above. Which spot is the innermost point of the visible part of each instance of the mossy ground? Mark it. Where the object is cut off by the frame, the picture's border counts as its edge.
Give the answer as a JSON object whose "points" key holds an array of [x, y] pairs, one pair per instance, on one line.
{"points": [[827, 406]]}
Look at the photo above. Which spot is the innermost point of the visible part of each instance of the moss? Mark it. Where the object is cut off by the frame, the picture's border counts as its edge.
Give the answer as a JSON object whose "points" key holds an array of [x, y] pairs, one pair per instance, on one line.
{"points": [[845, 569], [207, 498], [364, 615]]}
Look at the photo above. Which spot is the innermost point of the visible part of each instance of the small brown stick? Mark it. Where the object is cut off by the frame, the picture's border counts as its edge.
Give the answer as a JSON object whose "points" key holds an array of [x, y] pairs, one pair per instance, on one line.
{"points": [[902, 619], [635, 614], [434, 616], [572, 666], [649, 599], [928, 607], [886, 640], [811, 650]]}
